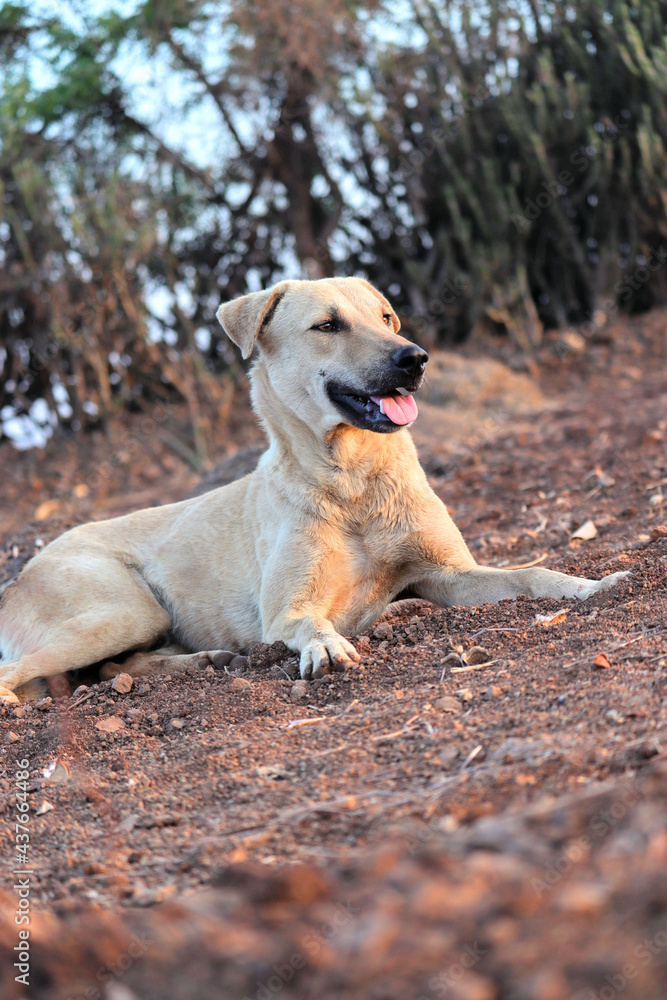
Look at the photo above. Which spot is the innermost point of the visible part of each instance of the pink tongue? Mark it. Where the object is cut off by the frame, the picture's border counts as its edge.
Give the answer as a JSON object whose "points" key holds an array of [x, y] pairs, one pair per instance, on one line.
{"points": [[399, 409]]}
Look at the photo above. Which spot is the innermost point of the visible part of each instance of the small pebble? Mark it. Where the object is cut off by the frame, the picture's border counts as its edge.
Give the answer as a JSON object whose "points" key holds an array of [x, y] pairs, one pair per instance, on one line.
{"points": [[110, 725], [448, 756], [122, 683], [241, 684], [299, 691], [448, 704], [94, 868]]}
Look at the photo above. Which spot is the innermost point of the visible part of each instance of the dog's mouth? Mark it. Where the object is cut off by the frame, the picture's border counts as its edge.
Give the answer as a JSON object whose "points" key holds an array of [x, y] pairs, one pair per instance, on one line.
{"points": [[378, 411]]}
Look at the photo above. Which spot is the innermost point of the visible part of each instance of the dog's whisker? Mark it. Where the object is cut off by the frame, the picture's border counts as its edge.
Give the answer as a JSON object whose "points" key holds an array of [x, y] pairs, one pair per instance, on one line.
{"points": [[302, 400]]}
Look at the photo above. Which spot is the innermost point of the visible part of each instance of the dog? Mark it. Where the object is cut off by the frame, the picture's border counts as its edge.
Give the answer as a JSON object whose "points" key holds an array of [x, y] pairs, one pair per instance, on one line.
{"points": [[337, 521]]}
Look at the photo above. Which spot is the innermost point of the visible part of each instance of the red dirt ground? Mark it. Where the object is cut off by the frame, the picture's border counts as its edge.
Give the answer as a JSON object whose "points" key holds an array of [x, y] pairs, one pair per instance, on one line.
{"points": [[421, 827]]}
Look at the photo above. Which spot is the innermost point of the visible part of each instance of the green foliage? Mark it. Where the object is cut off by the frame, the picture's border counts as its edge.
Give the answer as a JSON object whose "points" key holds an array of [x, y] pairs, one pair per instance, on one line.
{"points": [[542, 181]]}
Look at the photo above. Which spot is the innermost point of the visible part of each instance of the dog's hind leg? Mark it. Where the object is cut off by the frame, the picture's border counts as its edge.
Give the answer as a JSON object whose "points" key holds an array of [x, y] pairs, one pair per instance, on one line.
{"points": [[44, 641], [166, 660], [81, 642]]}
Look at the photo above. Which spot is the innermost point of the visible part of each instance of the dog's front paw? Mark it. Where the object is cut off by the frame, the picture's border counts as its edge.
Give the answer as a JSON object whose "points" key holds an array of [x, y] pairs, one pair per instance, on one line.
{"points": [[594, 586], [327, 654]]}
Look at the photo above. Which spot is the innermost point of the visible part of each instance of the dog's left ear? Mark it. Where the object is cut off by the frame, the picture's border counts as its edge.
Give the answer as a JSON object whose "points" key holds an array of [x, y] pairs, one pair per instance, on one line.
{"points": [[243, 319]]}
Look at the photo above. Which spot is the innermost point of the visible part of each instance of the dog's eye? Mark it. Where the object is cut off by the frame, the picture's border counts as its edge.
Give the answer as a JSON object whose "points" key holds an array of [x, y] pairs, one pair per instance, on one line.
{"points": [[387, 319], [329, 326]]}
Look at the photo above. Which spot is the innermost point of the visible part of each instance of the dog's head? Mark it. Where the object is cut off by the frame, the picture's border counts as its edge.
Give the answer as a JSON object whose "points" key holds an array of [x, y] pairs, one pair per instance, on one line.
{"points": [[331, 351]]}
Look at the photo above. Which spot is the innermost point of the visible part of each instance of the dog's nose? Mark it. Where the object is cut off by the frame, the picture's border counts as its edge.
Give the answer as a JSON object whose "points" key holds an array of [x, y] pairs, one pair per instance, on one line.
{"points": [[410, 359]]}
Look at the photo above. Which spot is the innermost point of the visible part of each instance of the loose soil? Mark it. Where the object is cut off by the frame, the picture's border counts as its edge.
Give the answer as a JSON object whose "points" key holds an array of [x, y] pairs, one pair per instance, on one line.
{"points": [[476, 811]]}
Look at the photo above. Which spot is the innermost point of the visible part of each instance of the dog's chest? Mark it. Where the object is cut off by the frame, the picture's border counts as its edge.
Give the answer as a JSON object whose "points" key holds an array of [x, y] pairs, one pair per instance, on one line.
{"points": [[364, 565], [372, 553]]}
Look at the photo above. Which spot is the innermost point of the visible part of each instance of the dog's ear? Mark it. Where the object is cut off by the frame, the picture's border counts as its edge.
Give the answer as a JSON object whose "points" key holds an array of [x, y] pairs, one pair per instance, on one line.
{"points": [[243, 319]]}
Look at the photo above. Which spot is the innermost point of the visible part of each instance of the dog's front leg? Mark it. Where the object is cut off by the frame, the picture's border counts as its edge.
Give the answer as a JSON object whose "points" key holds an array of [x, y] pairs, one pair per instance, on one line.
{"points": [[300, 589], [485, 585]]}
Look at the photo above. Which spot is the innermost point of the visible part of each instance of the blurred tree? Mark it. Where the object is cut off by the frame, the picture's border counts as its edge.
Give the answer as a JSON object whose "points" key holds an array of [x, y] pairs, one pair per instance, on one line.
{"points": [[267, 203], [521, 164], [503, 163]]}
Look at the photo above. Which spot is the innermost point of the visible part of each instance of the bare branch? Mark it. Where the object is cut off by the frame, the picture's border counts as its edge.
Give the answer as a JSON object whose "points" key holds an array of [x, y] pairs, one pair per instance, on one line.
{"points": [[212, 89]]}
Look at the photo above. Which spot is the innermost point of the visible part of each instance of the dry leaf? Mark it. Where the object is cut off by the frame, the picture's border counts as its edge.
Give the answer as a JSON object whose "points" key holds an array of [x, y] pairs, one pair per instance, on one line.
{"points": [[306, 722], [586, 531], [477, 655], [452, 659], [46, 509], [602, 661], [111, 725], [557, 616]]}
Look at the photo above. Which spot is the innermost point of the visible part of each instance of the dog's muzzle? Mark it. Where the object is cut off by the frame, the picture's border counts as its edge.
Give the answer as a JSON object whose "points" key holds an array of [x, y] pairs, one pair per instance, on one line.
{"points": [[391, 405]]}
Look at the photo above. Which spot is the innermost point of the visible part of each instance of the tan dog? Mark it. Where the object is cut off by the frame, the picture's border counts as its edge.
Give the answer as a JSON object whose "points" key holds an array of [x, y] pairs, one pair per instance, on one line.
{"points": [[337, 520]]}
